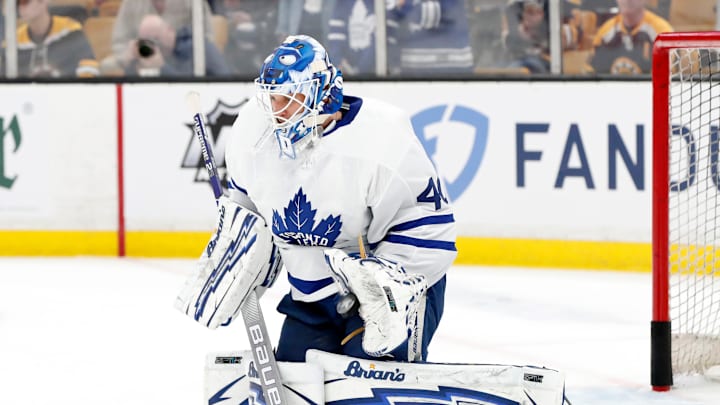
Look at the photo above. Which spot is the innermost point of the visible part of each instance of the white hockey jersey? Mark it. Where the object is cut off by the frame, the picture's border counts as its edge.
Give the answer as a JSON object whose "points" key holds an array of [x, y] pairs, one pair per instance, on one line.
{"points": [[368, 176]]}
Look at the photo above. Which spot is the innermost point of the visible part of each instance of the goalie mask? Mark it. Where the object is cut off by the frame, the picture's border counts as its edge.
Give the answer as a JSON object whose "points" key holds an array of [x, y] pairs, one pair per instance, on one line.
{"points": [[298, 88]]}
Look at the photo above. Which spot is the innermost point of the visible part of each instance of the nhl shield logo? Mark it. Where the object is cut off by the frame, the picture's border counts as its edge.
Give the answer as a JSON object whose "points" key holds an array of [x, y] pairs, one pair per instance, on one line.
{"points": [[219, 123]]}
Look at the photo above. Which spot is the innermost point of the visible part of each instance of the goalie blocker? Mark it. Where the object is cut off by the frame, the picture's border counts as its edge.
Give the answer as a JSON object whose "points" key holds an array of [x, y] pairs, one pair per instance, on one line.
{"points": [[336, 379], [239, 258]]}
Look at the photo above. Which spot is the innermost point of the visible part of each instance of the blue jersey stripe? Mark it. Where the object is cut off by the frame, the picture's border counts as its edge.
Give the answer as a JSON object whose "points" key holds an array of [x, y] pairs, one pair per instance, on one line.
{"points": [[233, 185], [423, 243], [309, 286], [434, 220]]}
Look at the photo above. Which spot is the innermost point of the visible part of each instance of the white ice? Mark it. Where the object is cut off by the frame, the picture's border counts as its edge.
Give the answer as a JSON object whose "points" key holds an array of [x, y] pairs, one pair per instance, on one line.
{"points": [[103, 331]]}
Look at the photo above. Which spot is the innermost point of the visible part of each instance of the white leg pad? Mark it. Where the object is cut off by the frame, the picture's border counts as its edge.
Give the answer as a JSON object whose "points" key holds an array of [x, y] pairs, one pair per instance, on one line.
{"points": [[349, 379], [230, 377]]}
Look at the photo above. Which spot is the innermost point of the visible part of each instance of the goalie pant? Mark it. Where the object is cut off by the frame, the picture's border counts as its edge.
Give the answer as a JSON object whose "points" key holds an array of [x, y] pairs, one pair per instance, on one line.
{"points": [[317, 325]]}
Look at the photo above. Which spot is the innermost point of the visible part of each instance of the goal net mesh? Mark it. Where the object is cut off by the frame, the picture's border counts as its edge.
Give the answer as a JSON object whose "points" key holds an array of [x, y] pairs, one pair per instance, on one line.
{"points": [[694, 214]]}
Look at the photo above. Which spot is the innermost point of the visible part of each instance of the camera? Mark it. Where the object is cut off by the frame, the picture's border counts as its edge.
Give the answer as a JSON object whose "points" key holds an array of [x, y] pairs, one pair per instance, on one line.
{"points": [[145, 47]]}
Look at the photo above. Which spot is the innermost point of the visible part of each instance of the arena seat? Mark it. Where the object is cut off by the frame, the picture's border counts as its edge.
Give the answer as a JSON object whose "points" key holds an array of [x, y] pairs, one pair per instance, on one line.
{"points": [[692, 15], [108, 8], [98, 31], [220, 31]]}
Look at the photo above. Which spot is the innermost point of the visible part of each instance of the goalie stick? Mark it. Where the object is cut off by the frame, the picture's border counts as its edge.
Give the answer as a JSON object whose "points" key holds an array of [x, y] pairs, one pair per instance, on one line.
{"points": [[262, 351]]}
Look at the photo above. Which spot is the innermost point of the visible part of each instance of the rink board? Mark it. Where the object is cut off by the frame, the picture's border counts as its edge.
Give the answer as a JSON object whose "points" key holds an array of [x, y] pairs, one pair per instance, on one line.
{"points": [[563, 183]]}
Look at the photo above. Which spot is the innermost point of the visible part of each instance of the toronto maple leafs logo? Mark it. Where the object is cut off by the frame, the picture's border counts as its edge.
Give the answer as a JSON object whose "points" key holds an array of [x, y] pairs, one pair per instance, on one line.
{"points": [[297, 225]]}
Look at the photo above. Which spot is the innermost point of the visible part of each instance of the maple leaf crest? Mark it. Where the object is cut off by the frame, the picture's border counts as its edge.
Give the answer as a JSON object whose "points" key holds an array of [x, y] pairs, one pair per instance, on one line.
{"points": [[297, 224]]}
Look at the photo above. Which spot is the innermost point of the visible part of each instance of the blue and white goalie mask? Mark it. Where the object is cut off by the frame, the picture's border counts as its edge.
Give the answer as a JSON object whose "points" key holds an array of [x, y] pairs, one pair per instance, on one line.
{"points": [[298, 89]]}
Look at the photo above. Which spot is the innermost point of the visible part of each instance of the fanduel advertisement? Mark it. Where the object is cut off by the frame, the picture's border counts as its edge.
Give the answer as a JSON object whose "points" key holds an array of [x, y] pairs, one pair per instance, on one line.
{"points": [[518, 160]]}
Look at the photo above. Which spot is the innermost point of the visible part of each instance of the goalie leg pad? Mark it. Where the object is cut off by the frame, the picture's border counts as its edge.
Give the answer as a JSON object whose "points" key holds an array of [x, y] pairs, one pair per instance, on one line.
{"points": [[392, 302], [353, 380], [239, 258], [231, 377]]}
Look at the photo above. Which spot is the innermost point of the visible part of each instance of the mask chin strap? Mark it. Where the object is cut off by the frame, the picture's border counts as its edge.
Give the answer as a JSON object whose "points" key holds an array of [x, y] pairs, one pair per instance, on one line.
{"points": [[315, 120], [289, 149], [321, 118]]}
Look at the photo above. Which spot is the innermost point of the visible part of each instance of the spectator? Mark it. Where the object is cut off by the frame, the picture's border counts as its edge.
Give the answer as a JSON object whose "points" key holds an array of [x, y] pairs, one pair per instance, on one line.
{"points": [[51, 46], [251, 33], [572, 30], [162, 51], [215, 6], [527, 41], [351, 36], [424, 38], [623, 44], [306, 17], [485, 19], [289, 15], [178, 13], [328, 6], [433, 38], [2, 24]]}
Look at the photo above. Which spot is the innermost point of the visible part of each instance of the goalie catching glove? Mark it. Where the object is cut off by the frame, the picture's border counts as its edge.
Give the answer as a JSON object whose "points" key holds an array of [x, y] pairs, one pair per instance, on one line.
{"points": [[392, 302], [239, 257]]}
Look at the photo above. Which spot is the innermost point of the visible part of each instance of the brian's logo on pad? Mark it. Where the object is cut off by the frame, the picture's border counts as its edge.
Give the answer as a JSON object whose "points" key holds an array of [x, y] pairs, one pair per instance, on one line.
{"points": [[297, 224], [354, 369]]}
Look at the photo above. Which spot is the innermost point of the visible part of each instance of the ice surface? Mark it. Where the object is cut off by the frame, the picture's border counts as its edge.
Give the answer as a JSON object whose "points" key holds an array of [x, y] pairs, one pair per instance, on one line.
{"points": [[103, 331]]}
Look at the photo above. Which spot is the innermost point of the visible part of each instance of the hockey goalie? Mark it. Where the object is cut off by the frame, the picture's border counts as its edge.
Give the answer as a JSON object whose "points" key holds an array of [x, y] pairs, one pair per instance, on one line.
{"points": [[340, 190]]}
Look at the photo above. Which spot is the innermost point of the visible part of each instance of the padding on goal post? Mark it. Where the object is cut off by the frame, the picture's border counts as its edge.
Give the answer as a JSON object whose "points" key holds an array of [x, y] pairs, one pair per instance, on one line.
{"points": [[685, 327]]}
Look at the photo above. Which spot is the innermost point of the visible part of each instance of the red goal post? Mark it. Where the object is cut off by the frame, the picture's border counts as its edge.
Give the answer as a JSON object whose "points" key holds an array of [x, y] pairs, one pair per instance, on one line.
{"points": [[685, 327]]}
